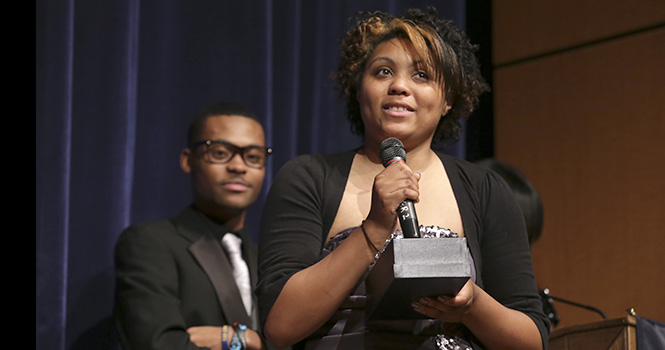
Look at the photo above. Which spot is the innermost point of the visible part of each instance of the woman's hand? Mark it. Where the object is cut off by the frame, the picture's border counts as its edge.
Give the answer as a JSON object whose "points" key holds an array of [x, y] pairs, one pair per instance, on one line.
{"points": [[448, 308], [495, 325], [392, 186]]}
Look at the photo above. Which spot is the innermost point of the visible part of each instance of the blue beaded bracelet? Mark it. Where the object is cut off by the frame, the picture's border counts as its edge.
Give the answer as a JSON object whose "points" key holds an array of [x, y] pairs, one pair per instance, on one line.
{"points": [[225, 337], [239, 341]]}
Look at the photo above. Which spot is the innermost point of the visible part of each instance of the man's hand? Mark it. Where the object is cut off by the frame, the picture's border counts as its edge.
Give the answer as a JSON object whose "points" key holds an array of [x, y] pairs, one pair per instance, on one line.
{"points": [[211, 337], [207, 336]]}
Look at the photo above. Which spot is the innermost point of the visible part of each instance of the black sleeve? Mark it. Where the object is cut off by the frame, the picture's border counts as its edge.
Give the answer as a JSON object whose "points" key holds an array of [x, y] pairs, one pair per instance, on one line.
{"points": [[297, 215], [507, 268], [147, 310]]}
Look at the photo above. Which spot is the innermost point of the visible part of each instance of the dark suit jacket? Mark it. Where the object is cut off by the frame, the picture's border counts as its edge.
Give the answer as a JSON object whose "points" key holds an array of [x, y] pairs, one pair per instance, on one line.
{"points": [[172, 275]]}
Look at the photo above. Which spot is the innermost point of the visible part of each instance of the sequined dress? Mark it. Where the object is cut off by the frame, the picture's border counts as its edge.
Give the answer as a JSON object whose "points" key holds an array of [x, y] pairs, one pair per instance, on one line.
{"points": [[348, 329]]}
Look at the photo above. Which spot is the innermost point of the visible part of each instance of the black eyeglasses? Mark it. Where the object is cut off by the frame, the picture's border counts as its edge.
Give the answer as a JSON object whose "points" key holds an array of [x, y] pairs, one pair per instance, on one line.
{"points": [[220, 152]]}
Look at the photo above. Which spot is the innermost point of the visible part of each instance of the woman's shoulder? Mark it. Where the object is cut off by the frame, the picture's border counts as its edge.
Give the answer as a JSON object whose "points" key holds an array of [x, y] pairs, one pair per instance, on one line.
{"points": [[317, 164], [477, 180], [464, 169]]}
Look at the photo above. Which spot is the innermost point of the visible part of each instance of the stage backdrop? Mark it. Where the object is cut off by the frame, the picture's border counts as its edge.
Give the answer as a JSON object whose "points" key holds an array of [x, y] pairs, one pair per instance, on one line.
{"points": [[117, 83]]}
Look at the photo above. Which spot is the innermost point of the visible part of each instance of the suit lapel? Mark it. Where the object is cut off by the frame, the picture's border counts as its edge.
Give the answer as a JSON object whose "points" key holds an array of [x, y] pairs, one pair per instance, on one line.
{"points": [[209, 254]]}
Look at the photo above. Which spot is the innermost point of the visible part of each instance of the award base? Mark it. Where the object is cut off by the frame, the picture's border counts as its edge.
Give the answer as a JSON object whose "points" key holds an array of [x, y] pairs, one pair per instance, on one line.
{"points": [[411, 268]]}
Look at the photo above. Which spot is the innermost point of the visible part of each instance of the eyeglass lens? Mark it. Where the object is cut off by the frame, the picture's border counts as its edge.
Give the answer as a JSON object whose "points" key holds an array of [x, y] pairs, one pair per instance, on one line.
{"points": [[253, 156]]}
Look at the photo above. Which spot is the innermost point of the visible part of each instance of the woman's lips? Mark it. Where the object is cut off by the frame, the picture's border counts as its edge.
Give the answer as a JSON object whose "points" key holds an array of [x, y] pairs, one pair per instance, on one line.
{"points": [[397, 110]]}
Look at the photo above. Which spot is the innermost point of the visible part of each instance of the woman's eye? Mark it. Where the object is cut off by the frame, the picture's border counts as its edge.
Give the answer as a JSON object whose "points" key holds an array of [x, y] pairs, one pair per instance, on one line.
{"points": [[383, 71], [421, 75]]}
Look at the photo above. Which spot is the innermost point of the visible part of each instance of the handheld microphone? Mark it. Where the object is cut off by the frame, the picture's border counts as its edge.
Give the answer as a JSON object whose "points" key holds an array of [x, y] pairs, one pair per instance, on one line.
{"points": [[392, 150]]}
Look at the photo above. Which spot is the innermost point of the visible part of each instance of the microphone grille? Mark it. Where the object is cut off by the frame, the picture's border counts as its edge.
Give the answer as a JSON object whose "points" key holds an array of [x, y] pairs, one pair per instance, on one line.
{"points": [[392, 148]]}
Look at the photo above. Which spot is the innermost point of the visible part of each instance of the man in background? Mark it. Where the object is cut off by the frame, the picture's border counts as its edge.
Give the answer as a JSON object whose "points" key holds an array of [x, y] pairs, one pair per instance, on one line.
{"points": [[179, 283]]}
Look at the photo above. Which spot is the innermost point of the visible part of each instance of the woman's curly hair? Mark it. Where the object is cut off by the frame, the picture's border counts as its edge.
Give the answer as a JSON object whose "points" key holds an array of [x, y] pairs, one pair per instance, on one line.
{"points": [[442, 46]]}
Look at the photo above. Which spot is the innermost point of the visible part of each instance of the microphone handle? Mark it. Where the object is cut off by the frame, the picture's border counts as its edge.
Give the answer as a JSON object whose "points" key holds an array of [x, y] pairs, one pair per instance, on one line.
{"points": [[408, 219]]}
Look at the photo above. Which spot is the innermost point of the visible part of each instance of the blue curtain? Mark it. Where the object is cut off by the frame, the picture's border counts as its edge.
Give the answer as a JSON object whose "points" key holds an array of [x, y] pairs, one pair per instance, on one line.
{"points": [[117, 83]]}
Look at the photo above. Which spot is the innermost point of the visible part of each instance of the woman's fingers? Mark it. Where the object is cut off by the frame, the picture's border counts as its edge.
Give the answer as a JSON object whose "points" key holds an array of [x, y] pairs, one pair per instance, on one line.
{"points": [[448, 308], [398, 180], [391, 187]]}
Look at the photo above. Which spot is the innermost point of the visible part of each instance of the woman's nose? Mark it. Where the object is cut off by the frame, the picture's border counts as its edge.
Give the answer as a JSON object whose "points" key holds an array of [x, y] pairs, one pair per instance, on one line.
{"points": [[399, 86]]}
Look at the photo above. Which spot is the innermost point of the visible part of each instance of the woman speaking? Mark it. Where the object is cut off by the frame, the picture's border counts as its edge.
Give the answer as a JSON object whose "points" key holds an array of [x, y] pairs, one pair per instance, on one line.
{"points": [[412, 78]]}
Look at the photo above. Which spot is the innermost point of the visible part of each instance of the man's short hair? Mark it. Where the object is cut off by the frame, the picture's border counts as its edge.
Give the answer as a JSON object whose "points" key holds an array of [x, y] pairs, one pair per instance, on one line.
{"points": [[216, 109]]}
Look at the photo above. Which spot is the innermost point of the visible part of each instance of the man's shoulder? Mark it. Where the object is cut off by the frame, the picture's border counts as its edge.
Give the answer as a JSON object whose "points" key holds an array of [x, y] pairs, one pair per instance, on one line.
{"points": [[147, 227], [148, 232], [159, 229]]}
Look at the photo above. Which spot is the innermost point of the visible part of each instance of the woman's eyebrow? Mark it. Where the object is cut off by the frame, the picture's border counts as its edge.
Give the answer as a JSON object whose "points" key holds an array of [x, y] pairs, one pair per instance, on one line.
{"points": [[381, 58], [415, 63]]}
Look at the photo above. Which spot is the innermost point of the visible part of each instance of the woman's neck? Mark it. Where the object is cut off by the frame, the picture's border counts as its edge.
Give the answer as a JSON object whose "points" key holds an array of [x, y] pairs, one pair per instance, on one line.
{"points": [[417, 158]]}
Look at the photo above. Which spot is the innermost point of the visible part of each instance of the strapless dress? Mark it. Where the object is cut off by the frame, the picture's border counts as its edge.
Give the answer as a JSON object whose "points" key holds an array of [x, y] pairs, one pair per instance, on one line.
{"points": [[348, 329]]}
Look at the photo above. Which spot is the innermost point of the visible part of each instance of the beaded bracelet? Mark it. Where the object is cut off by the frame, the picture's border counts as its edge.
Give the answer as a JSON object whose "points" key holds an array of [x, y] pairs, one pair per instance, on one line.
{"points": [[362, 227], [240, 335], [235, 342], [225, 337]]}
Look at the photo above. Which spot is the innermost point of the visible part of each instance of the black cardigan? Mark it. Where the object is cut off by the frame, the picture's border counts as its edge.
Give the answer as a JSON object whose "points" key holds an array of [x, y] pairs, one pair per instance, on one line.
{"points": [[303, 202]]}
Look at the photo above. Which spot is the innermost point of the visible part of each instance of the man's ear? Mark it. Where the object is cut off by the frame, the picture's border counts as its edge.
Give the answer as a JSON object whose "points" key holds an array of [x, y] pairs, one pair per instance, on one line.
{"points": [[185, 160]]}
